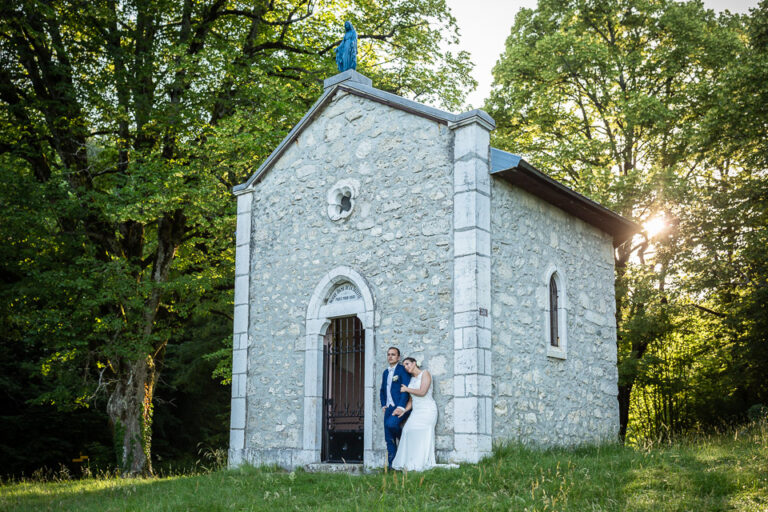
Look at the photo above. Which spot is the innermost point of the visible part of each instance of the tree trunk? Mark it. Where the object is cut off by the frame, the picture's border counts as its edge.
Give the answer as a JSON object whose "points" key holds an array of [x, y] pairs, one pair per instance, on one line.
{"points": [[625, 390], [130, 413], [130, 404]]}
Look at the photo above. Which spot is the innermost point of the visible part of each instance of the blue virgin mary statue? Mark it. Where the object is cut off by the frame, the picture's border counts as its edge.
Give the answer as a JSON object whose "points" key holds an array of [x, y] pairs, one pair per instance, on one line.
{"points": [[346, 52]]}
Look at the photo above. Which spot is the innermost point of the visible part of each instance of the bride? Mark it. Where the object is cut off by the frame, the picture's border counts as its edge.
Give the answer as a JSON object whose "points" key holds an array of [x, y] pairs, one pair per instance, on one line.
{"points": [[416, 451]]}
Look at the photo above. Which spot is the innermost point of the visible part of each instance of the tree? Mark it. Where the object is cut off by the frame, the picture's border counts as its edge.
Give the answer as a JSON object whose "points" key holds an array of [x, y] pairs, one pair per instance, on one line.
{"points": [[126, 125], [723, 258], [604, 94]]}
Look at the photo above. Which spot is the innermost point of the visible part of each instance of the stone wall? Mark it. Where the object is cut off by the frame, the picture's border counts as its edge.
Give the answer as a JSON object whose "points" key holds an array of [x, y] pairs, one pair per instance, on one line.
{"points": [[540, 399], [398, 238]]}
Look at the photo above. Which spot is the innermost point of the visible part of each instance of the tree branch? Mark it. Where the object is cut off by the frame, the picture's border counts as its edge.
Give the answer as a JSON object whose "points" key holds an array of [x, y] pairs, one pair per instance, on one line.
{"points": [[707, 310]]}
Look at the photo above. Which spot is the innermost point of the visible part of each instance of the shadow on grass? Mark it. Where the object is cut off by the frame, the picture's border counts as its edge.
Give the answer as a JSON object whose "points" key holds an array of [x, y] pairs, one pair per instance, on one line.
{"points": [[678, 479], [183, 492], [707, 477]]}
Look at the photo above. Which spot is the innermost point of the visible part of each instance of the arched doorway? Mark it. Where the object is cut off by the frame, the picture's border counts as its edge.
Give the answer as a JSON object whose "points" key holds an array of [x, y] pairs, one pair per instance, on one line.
{"points": [[344, 391], [338, 378]]}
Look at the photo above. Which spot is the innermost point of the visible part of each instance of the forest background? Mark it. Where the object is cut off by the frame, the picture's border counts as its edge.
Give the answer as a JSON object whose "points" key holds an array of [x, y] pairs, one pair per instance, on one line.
{"points": [[125, 125]]}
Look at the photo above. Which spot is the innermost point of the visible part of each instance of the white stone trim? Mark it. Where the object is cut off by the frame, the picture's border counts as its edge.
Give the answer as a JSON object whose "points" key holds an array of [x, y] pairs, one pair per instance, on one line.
{"points": [[239, 402], [472, 393], [346, 187], [342, 293], [318, 319], [471, 174], [329, 281], [475, 117], [561, 351], [353, 307]]}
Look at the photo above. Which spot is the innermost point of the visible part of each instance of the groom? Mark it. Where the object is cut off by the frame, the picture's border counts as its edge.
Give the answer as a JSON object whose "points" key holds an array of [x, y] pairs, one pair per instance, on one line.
{"points": [[393, 402]]}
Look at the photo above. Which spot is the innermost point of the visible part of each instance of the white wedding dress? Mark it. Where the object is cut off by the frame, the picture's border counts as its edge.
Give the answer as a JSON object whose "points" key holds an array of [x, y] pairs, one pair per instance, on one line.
{"points": [[416, 451]]}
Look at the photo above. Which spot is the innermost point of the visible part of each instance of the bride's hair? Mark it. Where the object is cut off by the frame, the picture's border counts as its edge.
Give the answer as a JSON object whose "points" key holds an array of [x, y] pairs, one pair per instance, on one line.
{"points": [[411, 360]]}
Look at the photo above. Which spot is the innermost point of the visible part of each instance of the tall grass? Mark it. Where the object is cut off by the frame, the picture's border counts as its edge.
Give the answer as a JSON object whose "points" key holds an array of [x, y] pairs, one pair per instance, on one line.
{"points": [[704, 472]]}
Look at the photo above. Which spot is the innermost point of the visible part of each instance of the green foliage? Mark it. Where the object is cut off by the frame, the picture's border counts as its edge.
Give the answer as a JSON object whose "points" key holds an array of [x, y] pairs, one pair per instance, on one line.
{"points": [[716, 253], [600, 93], [123, 128], [192, 408], [659, 108]]}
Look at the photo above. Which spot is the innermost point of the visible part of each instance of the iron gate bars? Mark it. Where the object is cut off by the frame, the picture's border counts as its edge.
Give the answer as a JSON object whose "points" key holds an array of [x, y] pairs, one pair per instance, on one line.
{"points": [[343, 391]]}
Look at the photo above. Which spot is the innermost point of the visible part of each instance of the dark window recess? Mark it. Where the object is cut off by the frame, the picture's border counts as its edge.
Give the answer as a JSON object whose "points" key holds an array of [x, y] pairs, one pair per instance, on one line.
{"points": [[346, 203], [554, 336]]}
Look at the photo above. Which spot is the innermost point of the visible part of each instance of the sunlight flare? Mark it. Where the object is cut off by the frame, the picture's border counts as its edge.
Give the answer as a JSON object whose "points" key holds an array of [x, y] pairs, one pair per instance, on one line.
{"points": [[655, 225]]}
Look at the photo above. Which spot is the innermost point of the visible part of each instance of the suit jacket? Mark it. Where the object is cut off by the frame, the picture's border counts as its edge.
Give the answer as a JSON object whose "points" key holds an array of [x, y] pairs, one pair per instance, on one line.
{"points": [[403, 377]]}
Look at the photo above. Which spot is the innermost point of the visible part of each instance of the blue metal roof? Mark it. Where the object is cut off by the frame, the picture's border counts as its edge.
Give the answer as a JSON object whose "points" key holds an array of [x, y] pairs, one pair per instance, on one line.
{"points": [[502, 160]]}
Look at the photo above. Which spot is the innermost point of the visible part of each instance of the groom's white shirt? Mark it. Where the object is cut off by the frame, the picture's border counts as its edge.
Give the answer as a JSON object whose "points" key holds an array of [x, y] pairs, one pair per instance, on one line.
{"points": [[390, 401], [391, 371]]}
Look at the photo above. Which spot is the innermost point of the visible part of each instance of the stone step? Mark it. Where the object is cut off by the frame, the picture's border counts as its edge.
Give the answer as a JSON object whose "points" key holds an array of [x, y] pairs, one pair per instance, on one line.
{"points": [[330, 467]]}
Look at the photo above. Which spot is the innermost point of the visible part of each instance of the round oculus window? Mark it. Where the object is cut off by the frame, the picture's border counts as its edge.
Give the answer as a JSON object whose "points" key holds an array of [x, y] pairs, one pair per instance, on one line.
{"points": [[341, 199]]}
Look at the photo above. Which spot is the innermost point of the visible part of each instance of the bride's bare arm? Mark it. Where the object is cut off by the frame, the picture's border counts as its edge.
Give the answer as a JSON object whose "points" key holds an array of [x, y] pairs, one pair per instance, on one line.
{"points": [[426, 381], [399, 411]]}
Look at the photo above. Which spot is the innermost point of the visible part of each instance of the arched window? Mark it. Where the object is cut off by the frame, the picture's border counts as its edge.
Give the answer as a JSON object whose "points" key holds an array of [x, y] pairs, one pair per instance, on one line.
{"points": [[554, 337], [556, 321]]}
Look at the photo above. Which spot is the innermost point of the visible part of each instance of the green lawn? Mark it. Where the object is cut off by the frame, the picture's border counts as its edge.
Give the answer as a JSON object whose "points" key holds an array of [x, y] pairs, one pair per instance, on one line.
{"points": [[728, 472]]}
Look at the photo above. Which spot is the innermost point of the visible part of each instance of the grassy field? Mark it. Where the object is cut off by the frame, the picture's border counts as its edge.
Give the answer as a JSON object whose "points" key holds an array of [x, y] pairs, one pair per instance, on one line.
{"points": [[702, 474]]}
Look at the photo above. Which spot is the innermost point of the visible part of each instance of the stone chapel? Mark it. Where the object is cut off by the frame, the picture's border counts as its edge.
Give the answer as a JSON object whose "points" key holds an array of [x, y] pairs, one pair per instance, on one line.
{"points": [[379, 222]]}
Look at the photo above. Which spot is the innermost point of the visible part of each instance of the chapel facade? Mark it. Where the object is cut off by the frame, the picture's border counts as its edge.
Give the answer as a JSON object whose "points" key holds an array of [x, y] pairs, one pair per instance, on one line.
{"points": [[379, 222]]}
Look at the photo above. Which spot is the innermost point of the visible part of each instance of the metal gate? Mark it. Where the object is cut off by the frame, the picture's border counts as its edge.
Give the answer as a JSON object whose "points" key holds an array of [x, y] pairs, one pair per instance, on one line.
{"points": [[343, 391]]}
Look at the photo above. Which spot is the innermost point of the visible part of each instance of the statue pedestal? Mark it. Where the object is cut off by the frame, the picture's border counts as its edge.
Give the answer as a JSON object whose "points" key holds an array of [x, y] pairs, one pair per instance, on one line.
{"points": [[349, 75]]}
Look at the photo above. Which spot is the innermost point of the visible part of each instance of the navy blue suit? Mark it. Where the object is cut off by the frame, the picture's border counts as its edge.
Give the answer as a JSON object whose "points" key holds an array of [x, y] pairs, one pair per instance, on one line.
{"points": [[393, 424]]}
